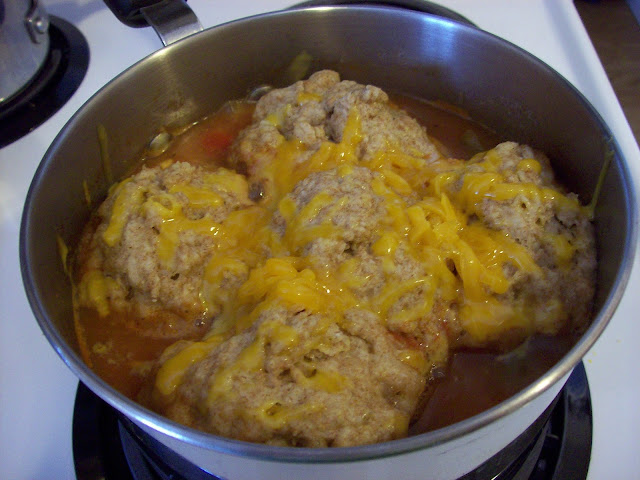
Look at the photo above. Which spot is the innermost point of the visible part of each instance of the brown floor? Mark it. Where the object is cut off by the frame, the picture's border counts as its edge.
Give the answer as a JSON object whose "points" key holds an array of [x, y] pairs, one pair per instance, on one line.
{"points": [[615, 33]]}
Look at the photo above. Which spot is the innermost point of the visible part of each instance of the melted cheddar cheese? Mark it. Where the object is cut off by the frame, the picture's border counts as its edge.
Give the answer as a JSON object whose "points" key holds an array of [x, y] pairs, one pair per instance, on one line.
{"points": [[464, 261], [431, 213]]}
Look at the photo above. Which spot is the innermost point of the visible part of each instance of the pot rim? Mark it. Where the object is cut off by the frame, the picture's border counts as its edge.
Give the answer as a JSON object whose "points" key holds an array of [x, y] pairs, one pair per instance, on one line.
{"points": [[209, 441]]}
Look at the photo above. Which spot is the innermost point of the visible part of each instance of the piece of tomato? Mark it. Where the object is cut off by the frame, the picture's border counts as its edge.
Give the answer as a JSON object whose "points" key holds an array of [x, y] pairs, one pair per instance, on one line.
{"points": [[217, 140]]}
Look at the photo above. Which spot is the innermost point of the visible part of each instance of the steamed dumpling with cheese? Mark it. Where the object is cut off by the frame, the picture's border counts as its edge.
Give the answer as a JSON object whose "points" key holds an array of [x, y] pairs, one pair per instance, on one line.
{"points": [[164, 248], [341, 222], [298, 368], [304, 121], [549, 282]]}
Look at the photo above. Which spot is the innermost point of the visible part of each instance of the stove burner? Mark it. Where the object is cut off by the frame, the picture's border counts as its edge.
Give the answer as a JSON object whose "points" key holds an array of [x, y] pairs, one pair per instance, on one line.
{"points": [[58, 79], [106, 445]]}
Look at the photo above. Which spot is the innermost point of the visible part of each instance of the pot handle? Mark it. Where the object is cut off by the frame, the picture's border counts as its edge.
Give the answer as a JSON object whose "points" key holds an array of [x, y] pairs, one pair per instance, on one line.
{"points": [[171, 19]]}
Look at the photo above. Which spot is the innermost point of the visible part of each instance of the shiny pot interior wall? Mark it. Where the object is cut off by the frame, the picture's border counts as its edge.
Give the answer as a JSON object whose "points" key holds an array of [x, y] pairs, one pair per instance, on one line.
{"points": [[416, 54]]}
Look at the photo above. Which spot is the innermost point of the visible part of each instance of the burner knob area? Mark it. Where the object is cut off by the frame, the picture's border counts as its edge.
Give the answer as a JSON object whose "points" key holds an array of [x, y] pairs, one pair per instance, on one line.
{"points": [[24, 44]]}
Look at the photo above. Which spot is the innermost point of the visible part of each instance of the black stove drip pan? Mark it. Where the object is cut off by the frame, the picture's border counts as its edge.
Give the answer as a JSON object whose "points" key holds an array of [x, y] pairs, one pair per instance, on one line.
{"points": [[107, 445], [58, 79]]}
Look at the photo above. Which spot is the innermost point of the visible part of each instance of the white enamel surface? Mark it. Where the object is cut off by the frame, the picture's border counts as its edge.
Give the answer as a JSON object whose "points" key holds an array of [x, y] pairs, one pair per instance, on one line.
{"points": [[37, 390]]}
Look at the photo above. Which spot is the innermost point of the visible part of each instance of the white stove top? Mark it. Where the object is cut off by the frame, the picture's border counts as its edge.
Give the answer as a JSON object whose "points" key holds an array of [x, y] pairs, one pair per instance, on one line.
{"points": [[37, 390]]}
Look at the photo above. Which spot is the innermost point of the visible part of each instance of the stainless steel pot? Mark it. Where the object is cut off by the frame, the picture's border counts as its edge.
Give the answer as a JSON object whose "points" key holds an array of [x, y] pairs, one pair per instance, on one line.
{"points": [[497, 83], [24, 44]]}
